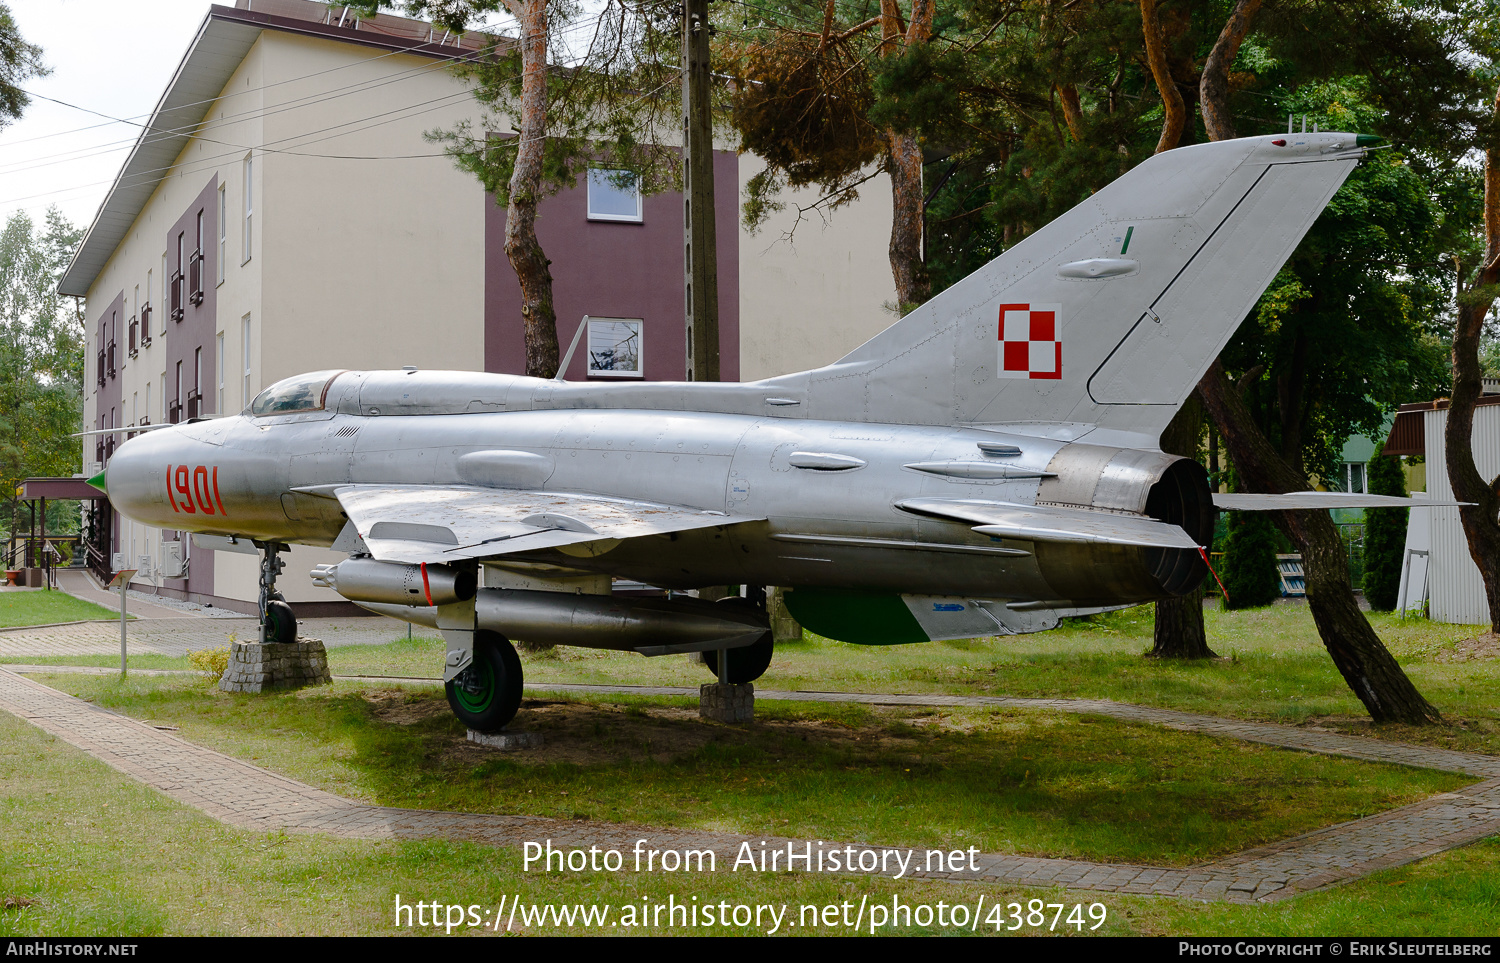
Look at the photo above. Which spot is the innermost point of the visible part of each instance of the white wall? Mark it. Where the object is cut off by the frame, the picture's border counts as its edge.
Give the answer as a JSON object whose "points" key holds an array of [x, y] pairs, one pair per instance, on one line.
{"points": [[1455, 588], [811, 298]]}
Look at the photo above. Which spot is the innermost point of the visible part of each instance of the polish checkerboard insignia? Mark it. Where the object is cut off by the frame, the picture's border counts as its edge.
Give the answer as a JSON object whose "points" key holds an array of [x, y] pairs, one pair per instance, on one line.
{"points": [[1030, 341]]}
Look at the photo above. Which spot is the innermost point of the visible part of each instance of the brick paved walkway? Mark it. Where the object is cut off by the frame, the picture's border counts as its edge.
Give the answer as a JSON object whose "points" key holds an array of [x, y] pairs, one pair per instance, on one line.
{"points": [[178, 636], [253, 798]]}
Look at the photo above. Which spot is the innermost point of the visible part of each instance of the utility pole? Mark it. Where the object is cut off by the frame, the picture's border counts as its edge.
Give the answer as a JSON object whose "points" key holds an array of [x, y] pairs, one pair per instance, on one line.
{"points": [[700, 267]]}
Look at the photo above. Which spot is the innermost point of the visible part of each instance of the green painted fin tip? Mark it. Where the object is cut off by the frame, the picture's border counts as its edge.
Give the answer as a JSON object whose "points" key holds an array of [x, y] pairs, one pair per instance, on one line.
{"points": [[1367, 140], [99, 482]]}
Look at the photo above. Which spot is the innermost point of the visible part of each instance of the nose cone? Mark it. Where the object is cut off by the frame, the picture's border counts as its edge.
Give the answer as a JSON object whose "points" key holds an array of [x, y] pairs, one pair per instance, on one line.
{"points": [[99, 482]]}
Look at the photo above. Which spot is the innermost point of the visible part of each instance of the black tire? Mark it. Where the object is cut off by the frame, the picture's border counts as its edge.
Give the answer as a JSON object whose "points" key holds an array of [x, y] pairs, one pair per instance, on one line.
{"points": [[486, 695], [747, 663], [281, 622]]}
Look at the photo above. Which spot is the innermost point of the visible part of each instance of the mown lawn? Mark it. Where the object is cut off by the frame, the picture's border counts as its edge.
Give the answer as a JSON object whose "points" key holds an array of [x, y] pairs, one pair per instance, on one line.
{"points": [[1009, 781], [91, 852], [45, 607]]}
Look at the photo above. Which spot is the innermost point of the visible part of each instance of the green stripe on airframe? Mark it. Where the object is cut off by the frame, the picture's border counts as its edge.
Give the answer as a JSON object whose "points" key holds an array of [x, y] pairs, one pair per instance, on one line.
{"points": [[862, 618]]}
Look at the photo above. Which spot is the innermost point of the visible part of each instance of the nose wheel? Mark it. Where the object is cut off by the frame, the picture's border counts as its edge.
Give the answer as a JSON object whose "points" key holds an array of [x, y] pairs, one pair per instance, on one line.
{"points": [[277, 621]]}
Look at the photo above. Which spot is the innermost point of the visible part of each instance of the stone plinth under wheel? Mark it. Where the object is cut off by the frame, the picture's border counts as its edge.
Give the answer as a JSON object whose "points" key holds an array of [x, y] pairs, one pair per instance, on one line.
{"points": [[505, 739], [726, 702], [254, 667]]}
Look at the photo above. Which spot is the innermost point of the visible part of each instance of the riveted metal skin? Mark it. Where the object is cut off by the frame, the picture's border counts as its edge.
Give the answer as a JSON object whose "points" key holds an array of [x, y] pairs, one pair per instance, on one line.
{"points": [[976, 484]]}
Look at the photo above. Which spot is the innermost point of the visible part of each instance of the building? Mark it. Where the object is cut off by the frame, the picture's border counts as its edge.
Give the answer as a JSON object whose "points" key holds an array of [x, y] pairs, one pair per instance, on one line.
{"points": [[1454, 590], [283, 212]]}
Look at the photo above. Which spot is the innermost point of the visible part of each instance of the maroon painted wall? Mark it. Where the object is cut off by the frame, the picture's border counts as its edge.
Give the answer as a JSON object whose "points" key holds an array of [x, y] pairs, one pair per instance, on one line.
{"points": [[109, 404], [616, 269], [197, 329]]}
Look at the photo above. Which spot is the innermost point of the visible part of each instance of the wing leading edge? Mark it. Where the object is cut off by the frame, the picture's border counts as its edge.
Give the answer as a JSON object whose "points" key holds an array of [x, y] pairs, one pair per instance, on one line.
{"points": [[429, 523]]}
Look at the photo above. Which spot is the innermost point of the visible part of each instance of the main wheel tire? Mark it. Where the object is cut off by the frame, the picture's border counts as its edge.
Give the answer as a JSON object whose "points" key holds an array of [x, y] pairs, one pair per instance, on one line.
{"points": [[486, 695], [747, 663], [281, 622]]}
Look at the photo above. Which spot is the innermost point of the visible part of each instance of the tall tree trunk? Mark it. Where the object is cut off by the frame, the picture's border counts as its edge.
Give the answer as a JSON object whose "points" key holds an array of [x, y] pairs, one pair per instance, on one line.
{"points": [[1213, 87], [1179, 632], [1481, 520], [904, 162], [1368, 668], [1171, 97], [521, 245], [1067, 95]]}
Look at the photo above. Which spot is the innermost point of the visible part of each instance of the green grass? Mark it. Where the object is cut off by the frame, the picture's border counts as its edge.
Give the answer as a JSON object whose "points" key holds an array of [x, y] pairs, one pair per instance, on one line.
{"points": [[1019, 781], [90, 851], [1273, 668], [45, 607]]}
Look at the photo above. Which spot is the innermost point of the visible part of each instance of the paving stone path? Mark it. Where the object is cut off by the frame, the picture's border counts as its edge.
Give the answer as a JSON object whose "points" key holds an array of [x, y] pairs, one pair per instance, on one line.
{"points": [[253, 798], [179, 636]]}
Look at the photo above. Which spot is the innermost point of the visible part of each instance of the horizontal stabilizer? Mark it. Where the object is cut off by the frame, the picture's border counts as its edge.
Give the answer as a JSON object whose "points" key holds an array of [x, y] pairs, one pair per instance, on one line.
{"points": [[1043, 523], [1272, 503], [433, 523]]}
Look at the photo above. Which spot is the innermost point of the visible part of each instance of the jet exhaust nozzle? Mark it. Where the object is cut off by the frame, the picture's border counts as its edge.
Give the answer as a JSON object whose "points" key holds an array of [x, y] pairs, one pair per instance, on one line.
{"points": [[397, 583]]}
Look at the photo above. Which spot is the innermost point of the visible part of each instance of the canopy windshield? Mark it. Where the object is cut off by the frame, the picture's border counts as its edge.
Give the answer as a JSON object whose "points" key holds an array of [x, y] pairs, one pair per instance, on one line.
{"points": [[305, 392]]}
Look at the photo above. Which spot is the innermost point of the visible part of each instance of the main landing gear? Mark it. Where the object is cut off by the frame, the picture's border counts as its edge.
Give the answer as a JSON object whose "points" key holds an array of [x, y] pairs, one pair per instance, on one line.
{"points": [[486, 695], [277, 621], [750, 662]]}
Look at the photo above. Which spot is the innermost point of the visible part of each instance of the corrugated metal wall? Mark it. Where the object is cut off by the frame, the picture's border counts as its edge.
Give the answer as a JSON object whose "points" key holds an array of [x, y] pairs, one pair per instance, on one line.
{"points": [[1454, 585]]}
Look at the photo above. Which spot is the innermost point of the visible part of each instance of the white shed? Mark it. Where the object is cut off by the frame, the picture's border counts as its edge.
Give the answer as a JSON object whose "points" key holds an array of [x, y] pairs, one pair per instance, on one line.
{"points": [[1454, 588]]}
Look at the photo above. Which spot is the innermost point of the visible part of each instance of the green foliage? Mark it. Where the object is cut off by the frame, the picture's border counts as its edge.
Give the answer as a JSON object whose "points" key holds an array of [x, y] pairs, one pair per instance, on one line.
{"points": [[1385, 534], [615, 106], [18, 61], [214, 661], [1249, 571], [41, 355]]}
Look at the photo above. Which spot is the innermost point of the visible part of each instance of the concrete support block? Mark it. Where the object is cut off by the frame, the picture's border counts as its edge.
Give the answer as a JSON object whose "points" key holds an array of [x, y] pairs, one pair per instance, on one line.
{"points": [[727, 703], [507, 740], [287, 665]]}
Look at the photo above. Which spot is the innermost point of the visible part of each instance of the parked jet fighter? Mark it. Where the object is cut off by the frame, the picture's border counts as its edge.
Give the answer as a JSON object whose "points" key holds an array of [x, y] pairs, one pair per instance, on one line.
{"points": [[987, 465]]}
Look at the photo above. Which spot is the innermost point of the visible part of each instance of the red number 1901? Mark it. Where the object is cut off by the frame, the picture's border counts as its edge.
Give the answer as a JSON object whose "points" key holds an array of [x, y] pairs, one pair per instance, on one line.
{"points": [[200, 483]]}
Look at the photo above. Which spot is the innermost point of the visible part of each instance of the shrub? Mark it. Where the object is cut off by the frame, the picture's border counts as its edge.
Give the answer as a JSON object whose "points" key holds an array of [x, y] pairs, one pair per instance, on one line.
{"points": [[1250, 575], [213, 661], [1385, 534]]}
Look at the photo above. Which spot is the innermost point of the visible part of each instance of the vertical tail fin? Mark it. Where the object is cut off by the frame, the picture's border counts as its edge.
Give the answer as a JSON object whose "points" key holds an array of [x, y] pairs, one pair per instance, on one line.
{"points": [[1110, 314]]}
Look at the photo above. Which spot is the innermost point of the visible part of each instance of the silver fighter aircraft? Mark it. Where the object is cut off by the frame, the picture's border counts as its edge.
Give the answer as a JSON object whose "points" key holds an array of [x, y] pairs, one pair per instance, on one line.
{"points": [[987, 465]]}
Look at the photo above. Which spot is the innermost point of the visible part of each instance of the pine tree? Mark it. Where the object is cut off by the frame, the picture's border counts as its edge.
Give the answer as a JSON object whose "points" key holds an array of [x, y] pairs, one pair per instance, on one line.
{"points": [[1250, 576], [1385, 534]]}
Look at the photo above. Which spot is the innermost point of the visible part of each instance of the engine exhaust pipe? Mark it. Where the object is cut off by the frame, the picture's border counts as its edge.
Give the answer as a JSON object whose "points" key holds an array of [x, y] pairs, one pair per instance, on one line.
{"points": [[645, 625], [396, 583]]}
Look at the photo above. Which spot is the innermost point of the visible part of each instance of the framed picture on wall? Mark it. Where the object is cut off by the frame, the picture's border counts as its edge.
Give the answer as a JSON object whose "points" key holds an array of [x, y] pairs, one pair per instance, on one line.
{"points": [[615, 348]]}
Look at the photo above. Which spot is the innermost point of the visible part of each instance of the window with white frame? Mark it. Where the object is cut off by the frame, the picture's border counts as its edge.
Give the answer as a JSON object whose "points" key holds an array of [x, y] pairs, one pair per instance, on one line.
{"points": [[245, 394], [249, 203], [614, 196], [219, 360], [615, 348], [223, 232]]}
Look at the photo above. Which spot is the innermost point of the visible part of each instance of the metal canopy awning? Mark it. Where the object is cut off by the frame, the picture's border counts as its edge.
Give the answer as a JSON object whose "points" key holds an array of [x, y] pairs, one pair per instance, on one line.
{"points": [[74, 488]]}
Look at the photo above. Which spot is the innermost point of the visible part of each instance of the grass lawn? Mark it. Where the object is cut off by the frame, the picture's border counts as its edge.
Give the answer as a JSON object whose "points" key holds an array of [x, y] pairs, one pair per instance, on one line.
{"points": [[1009, 781], [1273, 668], [91, 852], [45, 607]]}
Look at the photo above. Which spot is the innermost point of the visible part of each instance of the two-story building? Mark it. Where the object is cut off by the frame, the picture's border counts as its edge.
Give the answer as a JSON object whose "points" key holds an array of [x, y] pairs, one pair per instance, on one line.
{"points": [[283, 211]]}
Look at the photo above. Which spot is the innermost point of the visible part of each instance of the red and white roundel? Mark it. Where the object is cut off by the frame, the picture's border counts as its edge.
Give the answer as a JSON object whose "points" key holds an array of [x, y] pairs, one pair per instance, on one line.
{"points": [[1030, 341]]}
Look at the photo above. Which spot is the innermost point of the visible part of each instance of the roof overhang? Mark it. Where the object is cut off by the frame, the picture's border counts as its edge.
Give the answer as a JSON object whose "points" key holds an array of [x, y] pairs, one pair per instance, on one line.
{"points": [[215, 53], [221, 44]]}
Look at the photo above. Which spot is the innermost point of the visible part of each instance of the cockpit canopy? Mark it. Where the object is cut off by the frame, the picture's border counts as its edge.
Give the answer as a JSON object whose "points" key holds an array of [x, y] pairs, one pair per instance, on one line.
{"points": [[304, 392]]}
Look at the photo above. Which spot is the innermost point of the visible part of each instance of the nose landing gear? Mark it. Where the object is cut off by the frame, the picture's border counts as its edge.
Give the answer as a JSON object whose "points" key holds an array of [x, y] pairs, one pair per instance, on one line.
{"points": [[277, 621]]}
